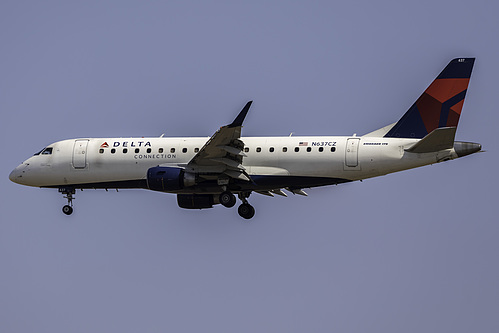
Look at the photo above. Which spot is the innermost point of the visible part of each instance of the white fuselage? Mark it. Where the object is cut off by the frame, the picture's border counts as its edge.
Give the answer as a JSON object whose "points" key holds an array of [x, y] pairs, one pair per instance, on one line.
{"points": [[212, 170], [110, 160]]}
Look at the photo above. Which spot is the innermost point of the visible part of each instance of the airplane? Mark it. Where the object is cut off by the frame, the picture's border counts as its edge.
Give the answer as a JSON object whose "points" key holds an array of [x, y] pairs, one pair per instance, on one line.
{"points": [[207, 171]]}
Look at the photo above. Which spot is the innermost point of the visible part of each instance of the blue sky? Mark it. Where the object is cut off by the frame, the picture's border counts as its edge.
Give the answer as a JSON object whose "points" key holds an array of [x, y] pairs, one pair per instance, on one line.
{"points": [[414, 251]]}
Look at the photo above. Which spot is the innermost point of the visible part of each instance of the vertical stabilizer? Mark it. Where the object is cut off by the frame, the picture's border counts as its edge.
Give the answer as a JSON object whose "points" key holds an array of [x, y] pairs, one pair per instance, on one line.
{"points": [[440, 105]]}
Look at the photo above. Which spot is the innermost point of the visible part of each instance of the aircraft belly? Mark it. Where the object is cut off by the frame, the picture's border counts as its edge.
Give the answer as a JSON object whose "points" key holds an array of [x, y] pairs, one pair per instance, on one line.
{"points": [[265, 183]]}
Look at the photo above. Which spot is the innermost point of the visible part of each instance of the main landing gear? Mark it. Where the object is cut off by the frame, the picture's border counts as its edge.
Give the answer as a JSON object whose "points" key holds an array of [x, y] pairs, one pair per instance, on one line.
{"points": [[227, 199], [68, 194], [245, 210]]}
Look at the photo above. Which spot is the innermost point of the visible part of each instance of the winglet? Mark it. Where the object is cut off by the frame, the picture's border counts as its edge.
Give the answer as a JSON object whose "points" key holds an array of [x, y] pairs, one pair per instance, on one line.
{"points": [[240, 117]]}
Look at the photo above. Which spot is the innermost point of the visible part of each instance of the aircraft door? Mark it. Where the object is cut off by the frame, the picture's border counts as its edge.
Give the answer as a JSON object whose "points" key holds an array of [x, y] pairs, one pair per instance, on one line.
{"points": [[80, 154], [352, 153]]}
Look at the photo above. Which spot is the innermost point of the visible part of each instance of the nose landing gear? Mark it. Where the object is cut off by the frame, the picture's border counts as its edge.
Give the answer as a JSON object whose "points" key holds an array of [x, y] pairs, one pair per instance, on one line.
{"points": [[68, 194], [67, 209]]}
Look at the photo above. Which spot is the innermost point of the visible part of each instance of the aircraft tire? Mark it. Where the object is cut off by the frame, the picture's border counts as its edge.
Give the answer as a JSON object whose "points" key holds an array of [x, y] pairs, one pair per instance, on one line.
{"points": [[246, 211], [227, 199], [68, 210]]}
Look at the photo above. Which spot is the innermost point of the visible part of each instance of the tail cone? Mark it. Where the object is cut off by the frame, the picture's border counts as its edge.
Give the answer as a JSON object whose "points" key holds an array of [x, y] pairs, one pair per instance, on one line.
{"points": [[466, 148]]}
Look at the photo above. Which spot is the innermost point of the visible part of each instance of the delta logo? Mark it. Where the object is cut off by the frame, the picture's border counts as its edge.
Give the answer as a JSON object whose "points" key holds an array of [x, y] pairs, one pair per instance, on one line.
{"points": [[104, 145]]}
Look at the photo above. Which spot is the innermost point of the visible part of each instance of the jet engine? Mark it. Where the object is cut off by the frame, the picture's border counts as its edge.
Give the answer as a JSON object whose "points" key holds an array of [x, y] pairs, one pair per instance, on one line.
{"points": [[168, 179]]}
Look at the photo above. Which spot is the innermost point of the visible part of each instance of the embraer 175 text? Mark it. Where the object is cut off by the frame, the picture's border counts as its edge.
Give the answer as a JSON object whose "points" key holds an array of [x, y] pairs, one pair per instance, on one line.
{"points": [[204, 171]]}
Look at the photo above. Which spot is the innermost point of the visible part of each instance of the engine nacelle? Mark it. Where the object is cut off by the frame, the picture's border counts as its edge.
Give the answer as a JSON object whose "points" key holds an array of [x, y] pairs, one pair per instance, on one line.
{"points": [[195, 201], [167, 179]]}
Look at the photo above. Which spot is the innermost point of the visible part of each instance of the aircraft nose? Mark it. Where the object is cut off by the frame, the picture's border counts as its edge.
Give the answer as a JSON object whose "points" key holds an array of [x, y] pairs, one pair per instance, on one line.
{"points": [[17, 174], [12, 176]]}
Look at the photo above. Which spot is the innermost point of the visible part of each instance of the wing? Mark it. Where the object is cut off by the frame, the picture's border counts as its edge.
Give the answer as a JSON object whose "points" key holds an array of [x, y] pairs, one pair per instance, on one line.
{"points": [[222, 155]]}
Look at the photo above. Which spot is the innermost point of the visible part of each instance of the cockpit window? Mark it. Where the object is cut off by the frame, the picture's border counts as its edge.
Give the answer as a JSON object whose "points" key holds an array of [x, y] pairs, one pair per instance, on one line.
{"points": [[45, 151]]}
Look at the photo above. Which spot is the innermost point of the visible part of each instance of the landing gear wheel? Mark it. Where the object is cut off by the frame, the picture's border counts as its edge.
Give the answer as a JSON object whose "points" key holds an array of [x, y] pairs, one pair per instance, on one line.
{"points": [[227, 199], [68, 210], [246, 211], [68, 194]]}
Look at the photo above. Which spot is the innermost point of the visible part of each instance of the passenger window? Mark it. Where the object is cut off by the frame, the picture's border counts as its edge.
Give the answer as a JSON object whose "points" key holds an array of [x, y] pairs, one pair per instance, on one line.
{"points": [[148, 150], [196, 150], [297, 149], [137, 150], [309, 149], [284, 149], [271, 149], [184, 150], [47, 151], [172, 150], [258, 149], [101, 151], [160, 150], [321, 149], [333, 149], [246, 149], [125, 150], [113, 151]]}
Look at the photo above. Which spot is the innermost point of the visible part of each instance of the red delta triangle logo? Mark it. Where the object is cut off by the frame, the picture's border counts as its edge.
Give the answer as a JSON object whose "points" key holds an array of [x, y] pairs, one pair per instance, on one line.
{"points": [[104, 145]]}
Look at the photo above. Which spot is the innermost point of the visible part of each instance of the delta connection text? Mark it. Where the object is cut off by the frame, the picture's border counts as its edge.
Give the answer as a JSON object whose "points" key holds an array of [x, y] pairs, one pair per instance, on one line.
{"points": [[138, 144]]}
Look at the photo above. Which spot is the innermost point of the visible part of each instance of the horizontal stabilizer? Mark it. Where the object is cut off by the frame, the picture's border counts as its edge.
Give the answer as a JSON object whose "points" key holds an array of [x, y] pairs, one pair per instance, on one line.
{"points": [[439, 139]]}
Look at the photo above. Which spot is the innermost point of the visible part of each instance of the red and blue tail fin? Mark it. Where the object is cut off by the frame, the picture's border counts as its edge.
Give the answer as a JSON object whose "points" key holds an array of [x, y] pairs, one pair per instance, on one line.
{"points": [[440, 105]]}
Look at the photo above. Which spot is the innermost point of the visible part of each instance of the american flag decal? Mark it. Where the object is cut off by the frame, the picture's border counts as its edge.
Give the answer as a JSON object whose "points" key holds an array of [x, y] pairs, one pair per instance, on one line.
{"points": [[303, 144]]}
